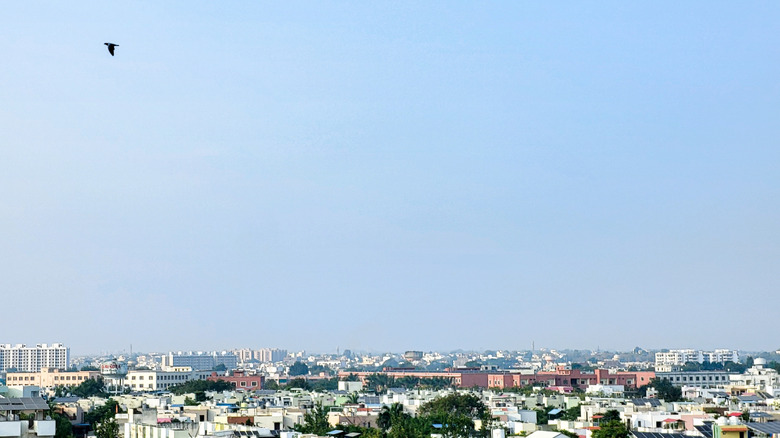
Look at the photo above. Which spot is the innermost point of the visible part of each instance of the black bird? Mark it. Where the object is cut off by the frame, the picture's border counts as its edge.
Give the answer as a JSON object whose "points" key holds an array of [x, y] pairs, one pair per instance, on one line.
{"points": [[111, 47]]}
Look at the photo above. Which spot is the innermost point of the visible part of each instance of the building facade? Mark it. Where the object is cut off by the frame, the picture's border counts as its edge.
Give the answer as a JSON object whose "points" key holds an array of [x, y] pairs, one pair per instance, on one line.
{"points": [[671, 358], [240, 380], [200, 360], [22, 358], [700, 379], [149, 380], [51, 377]]}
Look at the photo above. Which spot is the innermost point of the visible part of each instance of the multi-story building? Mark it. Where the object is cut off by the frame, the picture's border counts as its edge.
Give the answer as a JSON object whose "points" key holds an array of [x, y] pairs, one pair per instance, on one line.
{"points": [[22, 358], [50, 378], [240, 380], [756, 378], [149, 380], [271, 355], [200, 360], [262, 355], [561, 377], [699, 379], [665, 360]]}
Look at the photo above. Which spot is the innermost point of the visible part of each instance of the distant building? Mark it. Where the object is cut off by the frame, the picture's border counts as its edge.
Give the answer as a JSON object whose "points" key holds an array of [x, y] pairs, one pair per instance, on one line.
{"points": [[561, 377], [262, 355], [271, 355], [413, 356], [663, 360], [51, 377], [699, 379], [149, 380], [240, 380], [22, 358], [200, 360]]}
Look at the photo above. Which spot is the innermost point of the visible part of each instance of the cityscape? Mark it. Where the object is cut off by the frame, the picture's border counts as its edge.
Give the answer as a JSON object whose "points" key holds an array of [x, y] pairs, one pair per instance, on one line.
{"points": [[390, 219], [272, 392]]}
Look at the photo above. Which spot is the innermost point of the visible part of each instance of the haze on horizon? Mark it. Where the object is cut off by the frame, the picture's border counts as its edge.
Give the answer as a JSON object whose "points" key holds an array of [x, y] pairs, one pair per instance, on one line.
{"points": [[390, 175]]}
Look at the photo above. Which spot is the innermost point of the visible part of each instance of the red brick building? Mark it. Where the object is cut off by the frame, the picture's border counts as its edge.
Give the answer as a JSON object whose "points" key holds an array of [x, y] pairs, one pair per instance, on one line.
{"points": [[561, 377], [240, 380]]}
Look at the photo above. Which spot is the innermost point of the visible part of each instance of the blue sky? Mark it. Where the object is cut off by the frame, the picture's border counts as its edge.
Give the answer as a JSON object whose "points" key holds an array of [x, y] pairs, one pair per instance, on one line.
{"points": [[390, 175]]}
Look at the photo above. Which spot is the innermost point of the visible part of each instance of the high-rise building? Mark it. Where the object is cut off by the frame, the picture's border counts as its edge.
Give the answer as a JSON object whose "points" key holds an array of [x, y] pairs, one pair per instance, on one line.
{"points": [[271, 355], [31, 359]]}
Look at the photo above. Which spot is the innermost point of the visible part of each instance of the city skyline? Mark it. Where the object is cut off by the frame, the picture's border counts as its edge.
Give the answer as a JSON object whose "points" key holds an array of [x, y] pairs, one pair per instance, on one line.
{"points": [[392, 175]]}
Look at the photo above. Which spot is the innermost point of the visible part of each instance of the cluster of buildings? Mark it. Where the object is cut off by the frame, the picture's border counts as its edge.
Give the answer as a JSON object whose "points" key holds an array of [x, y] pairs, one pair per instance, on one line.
{"points": [[141, 384]]}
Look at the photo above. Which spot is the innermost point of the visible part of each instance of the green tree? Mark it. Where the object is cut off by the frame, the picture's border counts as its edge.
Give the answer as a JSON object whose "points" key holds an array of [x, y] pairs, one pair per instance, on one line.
{"points": [[101, 414], [90, 388], [315, 370], [323, 385], [571, 414], [63, 426], [298, 382], [89, 368], [201, 386], [610, 416], [315, 421], [388, 414], [189, 401], [613, 429], [456, 413], [61, 391], [107, 429], [406, 426], [299, 369], [666, 390], [379, 382], [220, 367], [271, 384]]}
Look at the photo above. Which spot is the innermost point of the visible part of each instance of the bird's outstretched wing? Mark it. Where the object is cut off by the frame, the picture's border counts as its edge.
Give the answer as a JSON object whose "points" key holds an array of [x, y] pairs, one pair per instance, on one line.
{"points": [[111, 48]]}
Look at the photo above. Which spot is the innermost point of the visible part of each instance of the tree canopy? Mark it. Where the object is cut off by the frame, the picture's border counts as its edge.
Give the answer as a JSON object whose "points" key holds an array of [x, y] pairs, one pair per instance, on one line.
{"points": [[90, 388], [299, 369], [200, 387], [456, 413], [612, 429], [315, 421], [666, 390]]}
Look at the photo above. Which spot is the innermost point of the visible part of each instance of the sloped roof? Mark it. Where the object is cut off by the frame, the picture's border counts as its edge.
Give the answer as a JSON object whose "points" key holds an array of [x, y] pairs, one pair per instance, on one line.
{"points": [[23, 404], [771, 428]]}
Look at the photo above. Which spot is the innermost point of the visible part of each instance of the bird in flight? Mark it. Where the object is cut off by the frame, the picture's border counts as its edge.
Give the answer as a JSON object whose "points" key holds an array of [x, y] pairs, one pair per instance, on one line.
{"points": [[111, 47]]}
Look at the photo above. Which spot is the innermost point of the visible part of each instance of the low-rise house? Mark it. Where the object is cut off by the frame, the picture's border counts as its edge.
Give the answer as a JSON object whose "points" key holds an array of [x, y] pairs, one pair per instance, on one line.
{"points": [[25, 418]]}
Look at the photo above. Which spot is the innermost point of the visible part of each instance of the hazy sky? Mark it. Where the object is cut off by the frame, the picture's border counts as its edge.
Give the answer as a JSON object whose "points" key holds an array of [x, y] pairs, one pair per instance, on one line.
{"points": [[390, 175]]}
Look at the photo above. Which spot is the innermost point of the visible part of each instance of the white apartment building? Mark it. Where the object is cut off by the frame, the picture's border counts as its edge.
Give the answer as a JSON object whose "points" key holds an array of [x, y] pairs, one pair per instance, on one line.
{"points": [[757, 378], [200, 360], [149, 380], [32, 359], [664, 360]]}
